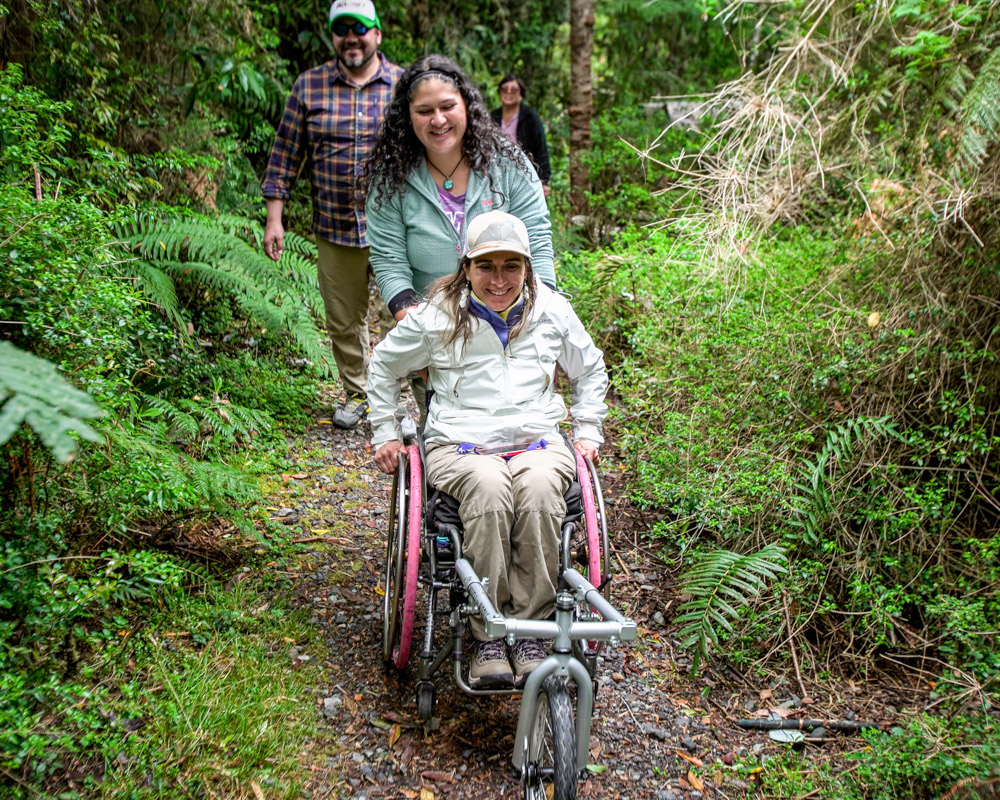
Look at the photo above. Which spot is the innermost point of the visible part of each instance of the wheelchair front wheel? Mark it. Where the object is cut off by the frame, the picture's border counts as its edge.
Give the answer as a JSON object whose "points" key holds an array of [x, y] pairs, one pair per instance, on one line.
{"points": [[550, 758]]}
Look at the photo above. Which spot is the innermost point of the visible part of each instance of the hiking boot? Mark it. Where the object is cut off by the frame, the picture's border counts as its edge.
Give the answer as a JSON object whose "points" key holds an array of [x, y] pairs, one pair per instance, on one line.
{"points": [[526, 655], [354, 409], [490, 668]]}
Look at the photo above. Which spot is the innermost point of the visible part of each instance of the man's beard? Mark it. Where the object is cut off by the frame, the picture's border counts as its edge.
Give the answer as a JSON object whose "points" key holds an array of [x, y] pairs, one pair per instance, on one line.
{"points": [[357, 63]]}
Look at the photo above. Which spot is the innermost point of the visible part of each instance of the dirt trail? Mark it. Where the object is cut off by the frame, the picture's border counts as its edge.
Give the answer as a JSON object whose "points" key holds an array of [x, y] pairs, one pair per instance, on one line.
{"points": [[658, 733]]}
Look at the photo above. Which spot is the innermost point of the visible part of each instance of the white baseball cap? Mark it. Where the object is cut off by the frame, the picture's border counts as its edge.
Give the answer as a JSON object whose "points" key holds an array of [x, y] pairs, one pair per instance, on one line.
{"points": [[496, 232], [361, 10]]}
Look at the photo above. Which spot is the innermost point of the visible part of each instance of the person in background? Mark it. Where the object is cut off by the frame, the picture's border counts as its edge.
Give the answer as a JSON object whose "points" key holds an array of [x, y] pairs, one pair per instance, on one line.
{"points": [[330, 122], [490, 338], [438, 163], [521, 124]]}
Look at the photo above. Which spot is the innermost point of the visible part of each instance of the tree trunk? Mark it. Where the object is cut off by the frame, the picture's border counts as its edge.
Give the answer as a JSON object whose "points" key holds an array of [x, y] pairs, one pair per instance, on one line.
{"points": [[581, 96]]}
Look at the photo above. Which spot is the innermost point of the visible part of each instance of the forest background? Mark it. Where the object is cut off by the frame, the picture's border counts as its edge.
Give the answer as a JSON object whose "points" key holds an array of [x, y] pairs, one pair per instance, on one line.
{"points": [[794, 274]]}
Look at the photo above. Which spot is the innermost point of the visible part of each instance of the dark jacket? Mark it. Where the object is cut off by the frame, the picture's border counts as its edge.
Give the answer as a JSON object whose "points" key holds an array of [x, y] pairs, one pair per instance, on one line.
{"points": [[531, 137]]}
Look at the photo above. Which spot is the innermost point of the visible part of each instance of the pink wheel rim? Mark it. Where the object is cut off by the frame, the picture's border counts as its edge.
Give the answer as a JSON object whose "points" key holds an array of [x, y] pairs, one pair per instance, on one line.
{"points": [[590, 518], [414, 511]]}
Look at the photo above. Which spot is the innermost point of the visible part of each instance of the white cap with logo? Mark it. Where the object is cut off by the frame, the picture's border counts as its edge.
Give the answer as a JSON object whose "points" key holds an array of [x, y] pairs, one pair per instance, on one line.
{"points": [[496, 232], [361, 10]]}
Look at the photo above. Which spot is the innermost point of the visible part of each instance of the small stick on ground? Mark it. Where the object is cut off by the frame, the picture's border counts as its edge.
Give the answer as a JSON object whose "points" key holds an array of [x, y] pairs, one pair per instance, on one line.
{"points": [[791, 644]]}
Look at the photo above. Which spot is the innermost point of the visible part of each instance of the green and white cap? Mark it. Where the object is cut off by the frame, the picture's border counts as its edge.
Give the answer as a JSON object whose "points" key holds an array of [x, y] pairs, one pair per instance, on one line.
{"points": [[361, 10], [496, 232]]}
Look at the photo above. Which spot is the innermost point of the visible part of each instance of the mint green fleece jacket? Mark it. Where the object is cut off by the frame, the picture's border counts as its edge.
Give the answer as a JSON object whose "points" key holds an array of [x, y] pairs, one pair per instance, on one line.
{"points": [[413, 243]]}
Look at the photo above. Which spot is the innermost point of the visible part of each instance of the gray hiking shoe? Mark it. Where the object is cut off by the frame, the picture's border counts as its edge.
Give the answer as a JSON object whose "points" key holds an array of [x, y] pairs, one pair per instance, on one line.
{"points": [[354, 409], [526, 655], [490, 668]]}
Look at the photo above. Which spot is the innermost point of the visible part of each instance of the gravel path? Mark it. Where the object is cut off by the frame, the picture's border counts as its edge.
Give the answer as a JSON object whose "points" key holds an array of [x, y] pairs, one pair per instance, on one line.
{"points": [[657, 732]]}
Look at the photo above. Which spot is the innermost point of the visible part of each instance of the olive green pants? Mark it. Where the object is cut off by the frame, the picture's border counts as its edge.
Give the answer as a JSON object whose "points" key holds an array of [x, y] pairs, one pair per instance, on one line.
{"points": [[343, 282], [512, 512]]}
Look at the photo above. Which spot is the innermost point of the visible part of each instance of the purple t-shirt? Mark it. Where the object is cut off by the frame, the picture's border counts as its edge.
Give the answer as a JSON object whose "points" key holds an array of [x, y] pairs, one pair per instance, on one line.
{"points": [[454, 207], [510, 128]]}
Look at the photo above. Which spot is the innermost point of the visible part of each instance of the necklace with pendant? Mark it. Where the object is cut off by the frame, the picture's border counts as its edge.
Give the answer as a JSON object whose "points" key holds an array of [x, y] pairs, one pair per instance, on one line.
{"points": [[448, 182]]}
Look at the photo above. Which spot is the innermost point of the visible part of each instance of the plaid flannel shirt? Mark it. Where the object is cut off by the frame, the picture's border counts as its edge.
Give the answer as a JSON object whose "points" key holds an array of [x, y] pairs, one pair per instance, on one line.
{"points": [[333, 124]]}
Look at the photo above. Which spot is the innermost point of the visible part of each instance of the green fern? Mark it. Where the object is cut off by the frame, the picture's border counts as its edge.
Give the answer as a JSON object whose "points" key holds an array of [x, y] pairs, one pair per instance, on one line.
{"points": [[980, 114], [175, 482], [813, 504], [719, 583], [32, 391], [224, 254]]}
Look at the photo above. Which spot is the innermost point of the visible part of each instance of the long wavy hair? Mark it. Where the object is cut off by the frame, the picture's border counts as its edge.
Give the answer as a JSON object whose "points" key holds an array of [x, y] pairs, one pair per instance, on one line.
{"points": [[451, 293], [398, 151]]}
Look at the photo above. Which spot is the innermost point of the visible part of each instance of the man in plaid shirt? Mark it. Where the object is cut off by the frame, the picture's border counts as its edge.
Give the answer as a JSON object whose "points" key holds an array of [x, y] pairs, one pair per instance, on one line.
{"points": [[330, 120]]}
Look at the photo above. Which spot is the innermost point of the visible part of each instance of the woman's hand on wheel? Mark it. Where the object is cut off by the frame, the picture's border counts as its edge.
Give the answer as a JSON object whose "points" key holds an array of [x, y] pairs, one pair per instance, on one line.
{"points": [[587, 449], [387, 456]]}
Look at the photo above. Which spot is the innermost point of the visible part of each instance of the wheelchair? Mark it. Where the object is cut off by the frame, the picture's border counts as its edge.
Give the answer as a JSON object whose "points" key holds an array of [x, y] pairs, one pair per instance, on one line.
{"points": [[424, 548]]}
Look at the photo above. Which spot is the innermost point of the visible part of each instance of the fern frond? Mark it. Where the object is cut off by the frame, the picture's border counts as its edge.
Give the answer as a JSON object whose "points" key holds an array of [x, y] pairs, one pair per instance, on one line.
{"points": [[32, 391], [716, 578], [224, 254], [812, 505], [980, 114]]}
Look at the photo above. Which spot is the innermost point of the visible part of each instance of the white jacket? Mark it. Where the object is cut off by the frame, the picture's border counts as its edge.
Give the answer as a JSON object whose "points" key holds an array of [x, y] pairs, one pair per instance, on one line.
{"points": [[485, 395]]}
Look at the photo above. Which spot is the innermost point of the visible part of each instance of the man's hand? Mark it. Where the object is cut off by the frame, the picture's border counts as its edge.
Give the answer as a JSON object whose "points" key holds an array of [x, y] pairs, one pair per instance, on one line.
{"points": [[587, 449], [545, 190], [387, 456], [274, 231], [274, 240]]}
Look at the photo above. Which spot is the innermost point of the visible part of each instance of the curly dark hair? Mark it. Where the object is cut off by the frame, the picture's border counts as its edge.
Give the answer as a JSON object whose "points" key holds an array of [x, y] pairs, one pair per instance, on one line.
{"points": [[451, 293], [398, 151]]}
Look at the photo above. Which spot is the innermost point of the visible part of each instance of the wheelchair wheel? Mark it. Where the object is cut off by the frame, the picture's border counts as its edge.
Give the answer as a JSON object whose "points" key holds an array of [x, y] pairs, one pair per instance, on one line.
{"points": [[402, 562], [393, 576], [550, 758], [595, 522]]}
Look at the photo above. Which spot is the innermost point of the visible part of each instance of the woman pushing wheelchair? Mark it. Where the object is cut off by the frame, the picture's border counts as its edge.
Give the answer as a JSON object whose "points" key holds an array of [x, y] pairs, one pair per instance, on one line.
{"points": [[490, 336]]}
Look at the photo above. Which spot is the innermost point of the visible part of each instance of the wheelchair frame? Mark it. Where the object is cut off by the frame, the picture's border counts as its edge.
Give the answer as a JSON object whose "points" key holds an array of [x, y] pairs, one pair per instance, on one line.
{"points": [[550, 749]]}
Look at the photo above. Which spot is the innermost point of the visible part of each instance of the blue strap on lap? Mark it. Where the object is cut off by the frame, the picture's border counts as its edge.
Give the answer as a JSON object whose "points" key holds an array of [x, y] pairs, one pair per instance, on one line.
{"points": [[467, 447]]}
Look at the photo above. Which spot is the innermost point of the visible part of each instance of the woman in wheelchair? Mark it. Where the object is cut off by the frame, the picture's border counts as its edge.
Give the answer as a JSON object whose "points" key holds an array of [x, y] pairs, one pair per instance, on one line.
{"points": [[490, 337]]}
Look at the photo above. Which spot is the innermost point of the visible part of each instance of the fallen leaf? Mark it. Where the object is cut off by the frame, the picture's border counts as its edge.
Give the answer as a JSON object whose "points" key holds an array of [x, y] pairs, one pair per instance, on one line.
{"points": [[257, 791], [350, 705], [765, 694], [300, 476], [426, 794], [695, 781], [320, 530], [696, 761], [438, 777], [409, 794], [596, 769], [874, 319], [394, 734]]}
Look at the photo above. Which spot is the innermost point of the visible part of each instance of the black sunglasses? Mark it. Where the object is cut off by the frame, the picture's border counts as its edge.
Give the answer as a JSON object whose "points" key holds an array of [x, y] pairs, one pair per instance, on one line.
{"points": [[341, 27]]}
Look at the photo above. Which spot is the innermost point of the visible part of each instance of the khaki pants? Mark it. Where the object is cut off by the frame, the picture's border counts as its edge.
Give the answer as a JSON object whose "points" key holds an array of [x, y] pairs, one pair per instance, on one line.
{"points": [[512, 512], [343, 282]]}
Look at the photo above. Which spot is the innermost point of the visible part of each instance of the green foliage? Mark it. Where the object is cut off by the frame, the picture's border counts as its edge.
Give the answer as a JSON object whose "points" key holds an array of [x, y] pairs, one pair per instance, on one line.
{"points": [[199, 677], [814, 504], [216, 256], [32, 392], [720, 582], [925, 757]]}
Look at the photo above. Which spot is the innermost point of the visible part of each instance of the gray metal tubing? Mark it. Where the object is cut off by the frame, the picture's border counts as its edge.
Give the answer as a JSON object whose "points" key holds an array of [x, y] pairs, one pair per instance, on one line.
{"points": [[614, 626], [603, 607], [529, 703]]}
